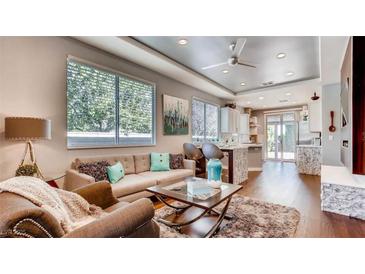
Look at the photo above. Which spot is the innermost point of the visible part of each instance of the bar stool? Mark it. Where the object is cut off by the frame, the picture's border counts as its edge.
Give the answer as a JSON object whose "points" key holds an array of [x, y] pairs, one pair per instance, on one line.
{"points": [[211, 151], [193, 153]]}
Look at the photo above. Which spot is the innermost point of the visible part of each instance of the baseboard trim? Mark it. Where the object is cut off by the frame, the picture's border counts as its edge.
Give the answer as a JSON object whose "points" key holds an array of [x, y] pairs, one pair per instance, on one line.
{"points": [[255, 169]]}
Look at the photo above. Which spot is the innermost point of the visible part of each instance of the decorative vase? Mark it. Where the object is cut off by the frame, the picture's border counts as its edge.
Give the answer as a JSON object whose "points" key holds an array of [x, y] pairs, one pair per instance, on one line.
{"points": [[214, 168]]}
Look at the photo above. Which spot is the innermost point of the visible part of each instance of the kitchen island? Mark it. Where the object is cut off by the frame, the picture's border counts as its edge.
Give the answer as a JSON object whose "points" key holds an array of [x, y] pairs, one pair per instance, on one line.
{"points": [[237, 163], [245, 157], [237, 160], [309, 159]]}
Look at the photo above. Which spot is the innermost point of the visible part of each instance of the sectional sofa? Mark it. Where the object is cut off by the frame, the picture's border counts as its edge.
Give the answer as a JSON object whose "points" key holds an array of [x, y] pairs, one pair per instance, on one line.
{"points": [[138, 175]]}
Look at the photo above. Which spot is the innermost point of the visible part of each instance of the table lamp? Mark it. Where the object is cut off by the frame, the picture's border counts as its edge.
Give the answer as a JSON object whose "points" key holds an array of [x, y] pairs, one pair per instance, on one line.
{"points": [[28, 129]]}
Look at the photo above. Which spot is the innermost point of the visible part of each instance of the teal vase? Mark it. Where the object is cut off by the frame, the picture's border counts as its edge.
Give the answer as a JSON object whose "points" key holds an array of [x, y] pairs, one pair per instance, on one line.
{"points": [[214, 170]]}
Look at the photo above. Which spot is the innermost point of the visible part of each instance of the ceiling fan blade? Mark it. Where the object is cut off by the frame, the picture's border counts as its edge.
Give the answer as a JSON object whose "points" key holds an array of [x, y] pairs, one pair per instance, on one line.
{"points": [[245, 64], [214, 66], [239, 47]]}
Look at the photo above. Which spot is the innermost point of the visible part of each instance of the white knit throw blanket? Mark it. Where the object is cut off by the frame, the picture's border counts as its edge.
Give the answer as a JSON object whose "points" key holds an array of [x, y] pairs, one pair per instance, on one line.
{"points": [[70, 209]]}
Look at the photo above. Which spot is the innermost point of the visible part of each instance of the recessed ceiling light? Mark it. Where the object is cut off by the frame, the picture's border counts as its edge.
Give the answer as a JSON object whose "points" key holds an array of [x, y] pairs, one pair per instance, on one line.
{"points": [[289, 73], [243, 83], [261, 98], [182, 42], [225, 71], [248, 102], [281, 55], [288, 94]]}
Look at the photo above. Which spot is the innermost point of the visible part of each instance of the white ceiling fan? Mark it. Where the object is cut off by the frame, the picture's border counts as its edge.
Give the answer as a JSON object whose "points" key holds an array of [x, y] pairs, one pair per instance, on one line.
{"points": [[234, 59]]}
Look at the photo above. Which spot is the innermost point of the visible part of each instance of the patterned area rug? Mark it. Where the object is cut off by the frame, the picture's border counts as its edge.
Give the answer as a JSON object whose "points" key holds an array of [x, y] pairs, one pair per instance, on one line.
{"points": [[251, 219]]}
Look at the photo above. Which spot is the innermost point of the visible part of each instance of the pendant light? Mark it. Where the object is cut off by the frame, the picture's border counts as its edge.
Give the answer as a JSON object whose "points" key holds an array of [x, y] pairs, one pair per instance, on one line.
{"points": [[315, 97]]}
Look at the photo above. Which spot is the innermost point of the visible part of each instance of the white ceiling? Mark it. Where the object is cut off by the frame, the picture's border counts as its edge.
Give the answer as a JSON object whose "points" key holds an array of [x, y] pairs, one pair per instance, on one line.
{"points": [[331, 55], [301, 58], [332, 50], [280, 97]]}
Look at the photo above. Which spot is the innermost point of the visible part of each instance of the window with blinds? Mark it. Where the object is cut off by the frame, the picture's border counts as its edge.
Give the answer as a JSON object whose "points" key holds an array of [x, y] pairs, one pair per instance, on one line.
{"points": [[198, 116], [105, 108], [136, 105], [205, 121]]}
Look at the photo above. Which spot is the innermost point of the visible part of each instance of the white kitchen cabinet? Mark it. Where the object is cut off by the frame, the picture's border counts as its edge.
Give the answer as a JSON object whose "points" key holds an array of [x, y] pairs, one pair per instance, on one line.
{"points": [[244, 124], [236, 123], [244, 128], [315, 116], [229, 120]]}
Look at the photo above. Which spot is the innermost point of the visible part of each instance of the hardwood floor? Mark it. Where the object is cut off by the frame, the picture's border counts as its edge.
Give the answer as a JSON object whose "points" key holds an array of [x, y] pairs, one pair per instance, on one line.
{"points": [[280, 183]]}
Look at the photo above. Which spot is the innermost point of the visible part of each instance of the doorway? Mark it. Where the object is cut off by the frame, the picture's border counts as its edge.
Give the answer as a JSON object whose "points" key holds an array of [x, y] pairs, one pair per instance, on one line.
{"points": [[281, 133]]}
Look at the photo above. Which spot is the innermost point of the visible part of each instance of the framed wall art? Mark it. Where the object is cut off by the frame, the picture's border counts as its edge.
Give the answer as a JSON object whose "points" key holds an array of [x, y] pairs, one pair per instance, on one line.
{"points": [[175, 115]]}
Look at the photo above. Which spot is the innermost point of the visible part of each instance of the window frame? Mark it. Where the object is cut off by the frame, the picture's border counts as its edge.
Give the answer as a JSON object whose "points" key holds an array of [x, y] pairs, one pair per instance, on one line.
{"points": [[205, 102], [118, 73]]}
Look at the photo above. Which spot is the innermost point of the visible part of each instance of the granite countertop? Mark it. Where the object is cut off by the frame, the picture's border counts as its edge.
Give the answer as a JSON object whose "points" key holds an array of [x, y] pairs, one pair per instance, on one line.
{"points": [[235, 146], [240, 146], [253, 145]]}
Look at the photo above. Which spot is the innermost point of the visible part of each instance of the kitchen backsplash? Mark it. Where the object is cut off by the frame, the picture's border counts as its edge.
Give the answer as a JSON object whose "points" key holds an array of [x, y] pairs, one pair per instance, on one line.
{"points": [[229, 138]]}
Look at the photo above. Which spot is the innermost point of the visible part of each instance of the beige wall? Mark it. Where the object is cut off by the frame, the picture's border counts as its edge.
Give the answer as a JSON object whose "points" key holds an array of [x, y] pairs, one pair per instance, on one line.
{"points": [[331, 147], [33, 83]]}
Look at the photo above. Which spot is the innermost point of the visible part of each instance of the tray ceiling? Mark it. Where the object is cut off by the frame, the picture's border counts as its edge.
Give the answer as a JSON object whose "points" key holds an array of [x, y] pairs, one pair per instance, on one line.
{"points": [[301, 61]]}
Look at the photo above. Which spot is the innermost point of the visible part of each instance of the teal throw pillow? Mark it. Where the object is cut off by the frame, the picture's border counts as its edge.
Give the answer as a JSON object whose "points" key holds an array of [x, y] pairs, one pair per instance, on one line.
{"points": [[115, 172], [160, 161]]}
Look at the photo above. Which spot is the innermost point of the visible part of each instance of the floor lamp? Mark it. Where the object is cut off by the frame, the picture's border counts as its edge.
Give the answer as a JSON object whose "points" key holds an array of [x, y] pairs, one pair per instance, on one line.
{"points": [[28, 129]]}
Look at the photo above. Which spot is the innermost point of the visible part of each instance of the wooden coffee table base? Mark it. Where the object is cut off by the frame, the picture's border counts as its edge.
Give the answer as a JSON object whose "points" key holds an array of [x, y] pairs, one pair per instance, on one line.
{"points": [[194, 221]]}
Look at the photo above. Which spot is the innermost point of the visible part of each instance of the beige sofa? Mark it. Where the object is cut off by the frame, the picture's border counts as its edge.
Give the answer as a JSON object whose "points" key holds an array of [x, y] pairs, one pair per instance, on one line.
{"points": [[138, 175]]}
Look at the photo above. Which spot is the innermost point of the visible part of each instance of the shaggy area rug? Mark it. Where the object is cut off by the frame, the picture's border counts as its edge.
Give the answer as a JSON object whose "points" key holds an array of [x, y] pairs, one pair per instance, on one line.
{"points": [[251, 219]]}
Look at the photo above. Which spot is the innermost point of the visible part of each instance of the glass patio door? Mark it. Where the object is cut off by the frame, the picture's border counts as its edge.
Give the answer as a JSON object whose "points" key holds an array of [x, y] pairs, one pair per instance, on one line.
{"points": [[281, 132]]}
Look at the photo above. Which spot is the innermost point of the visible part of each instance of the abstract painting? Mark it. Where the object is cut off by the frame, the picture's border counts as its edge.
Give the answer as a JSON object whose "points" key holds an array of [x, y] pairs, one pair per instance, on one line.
{"points": [[175, 115]]}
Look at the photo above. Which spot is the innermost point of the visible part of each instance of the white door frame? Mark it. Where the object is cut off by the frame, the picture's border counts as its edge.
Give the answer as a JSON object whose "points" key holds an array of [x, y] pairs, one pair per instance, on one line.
{"points": [[279, 113]]}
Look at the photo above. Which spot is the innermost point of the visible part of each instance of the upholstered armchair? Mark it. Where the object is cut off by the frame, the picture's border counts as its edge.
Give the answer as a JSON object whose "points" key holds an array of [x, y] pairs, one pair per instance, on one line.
{"points": [[21, 218]]}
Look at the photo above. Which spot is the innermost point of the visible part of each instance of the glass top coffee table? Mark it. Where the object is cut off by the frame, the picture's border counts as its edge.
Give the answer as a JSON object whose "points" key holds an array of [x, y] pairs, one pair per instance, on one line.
{"points": [[198, 216]]}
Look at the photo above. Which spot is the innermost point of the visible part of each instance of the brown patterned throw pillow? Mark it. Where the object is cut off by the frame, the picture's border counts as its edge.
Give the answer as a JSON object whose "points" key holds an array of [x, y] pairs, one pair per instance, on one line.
{"points": [[96, 170], [176, 161]]}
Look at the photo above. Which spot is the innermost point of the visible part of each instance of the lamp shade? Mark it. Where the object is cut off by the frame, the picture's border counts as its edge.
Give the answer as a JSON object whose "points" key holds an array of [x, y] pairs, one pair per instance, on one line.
{"points": [[27, 128]]}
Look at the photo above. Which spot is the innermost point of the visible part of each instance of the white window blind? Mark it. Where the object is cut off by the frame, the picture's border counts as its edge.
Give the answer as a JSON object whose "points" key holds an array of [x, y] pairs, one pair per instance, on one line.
{"points": [[211, 122], [205, 121], [105, 108], [197, 110], [136, 102]]}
